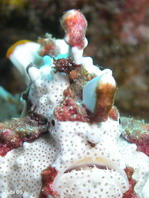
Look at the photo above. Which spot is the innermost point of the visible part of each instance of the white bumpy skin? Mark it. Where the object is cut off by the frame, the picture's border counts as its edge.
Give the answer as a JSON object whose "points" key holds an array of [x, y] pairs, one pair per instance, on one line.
{"points": [[46, 91], [89, 158], [67, 147]]}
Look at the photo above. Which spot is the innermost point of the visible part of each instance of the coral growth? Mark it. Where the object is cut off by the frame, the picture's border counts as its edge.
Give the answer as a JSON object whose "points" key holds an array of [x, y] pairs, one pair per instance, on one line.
{"points": [[136, 131], [13, 133], [83, 151], [130, 193]]}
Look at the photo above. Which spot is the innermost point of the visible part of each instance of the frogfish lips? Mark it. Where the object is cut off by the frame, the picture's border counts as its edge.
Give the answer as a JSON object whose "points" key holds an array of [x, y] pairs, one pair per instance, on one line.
{"points": [[90, 180]]}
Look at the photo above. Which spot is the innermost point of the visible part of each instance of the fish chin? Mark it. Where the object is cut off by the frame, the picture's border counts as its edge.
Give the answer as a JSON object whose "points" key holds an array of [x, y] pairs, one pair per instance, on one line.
{"points": [[92, 182]]}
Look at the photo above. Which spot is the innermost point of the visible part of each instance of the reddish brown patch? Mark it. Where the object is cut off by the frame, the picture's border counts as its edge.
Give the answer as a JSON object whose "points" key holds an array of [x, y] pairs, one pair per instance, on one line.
{"points": [[65, 65], [114, 113], [13, 133], [68, 93], [137, 132], [74, 75], [8, 142], [142, 143], [71, 111], [48, 176], [105, 94], [74, 24], [130, 193], [48, 47], [4, 149], [14, 141]]}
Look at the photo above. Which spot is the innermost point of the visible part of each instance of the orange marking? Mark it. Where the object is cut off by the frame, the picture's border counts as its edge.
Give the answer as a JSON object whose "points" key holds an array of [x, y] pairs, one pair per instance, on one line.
{"points": [[12, 48]]}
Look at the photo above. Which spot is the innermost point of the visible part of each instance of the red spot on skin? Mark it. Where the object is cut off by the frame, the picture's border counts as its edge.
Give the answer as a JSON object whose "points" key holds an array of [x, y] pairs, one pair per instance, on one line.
{"points": [[114, 114], [65, 65], [71, 111], [48, 47], [69, 93], [142, 143], [74, 24], [8, 142], [4, 149], [12, 136], [136, 132], [48, 176], [6, 133], [130, 193]]}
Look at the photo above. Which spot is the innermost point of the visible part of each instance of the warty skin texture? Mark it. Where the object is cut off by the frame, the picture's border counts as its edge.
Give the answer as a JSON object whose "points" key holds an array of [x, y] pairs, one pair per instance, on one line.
{"points": [[88, 157]]}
